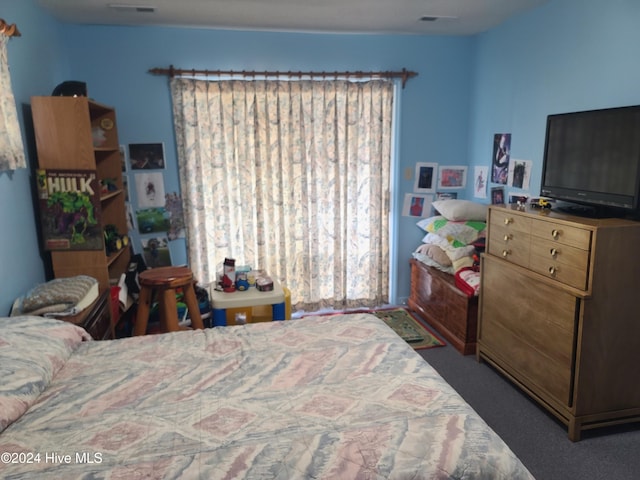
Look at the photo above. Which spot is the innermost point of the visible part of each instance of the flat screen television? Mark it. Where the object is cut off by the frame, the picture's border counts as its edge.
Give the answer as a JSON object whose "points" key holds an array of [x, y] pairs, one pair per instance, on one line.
{"points": [[592, 160]]}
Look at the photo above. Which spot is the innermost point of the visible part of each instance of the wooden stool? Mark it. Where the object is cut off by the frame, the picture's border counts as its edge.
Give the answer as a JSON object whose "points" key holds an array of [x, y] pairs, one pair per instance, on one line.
{"points": [[165, 281]]}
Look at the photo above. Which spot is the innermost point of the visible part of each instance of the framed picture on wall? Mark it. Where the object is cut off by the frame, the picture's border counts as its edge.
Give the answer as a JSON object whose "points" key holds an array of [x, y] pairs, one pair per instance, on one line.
{"points": [[156, 252], [497, 195], [453, 177], [480, 178], [150, 189], [425, 178], [146, 156], [417, 205]]}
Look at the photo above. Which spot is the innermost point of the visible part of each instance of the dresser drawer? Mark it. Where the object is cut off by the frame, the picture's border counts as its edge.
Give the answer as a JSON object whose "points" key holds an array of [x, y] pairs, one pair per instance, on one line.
{"points": [[560, 233], [563, 263], [509, 220], [530, 325], [511, 245]]}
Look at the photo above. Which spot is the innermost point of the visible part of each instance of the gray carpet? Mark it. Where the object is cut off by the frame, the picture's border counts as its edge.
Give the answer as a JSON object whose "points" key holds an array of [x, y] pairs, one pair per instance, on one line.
{"points": [[536, 437]]}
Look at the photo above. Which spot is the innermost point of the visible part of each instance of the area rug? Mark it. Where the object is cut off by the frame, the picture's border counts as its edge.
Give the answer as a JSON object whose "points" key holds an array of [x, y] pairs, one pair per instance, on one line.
{"points": [[409, 328]]}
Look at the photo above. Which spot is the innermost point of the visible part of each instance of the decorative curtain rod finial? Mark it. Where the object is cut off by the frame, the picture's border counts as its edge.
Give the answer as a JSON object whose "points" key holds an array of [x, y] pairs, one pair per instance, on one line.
{"points": [[9, 30]]}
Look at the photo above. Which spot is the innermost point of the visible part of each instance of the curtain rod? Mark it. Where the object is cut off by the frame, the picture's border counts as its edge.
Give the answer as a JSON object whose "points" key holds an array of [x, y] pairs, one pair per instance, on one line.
{"points": [[9, 30], [173, 72]]}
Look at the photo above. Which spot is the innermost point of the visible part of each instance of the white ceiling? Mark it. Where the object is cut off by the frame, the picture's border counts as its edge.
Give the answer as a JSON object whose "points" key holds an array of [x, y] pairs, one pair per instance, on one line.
{"points": [[453, 17]]}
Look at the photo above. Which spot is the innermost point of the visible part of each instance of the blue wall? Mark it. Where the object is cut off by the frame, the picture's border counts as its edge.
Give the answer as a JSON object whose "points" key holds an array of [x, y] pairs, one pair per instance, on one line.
{"points": [[433, 106], [37, 61], [567, 55]]}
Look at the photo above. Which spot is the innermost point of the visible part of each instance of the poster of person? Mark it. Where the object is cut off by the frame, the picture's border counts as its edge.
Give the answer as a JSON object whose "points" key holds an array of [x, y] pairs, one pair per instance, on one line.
{"points": [[156, 252], [480, 177], [146, 156], [497, 195], [425, 177], [519, 173], [417, 205], [150, 189], [501, 155]]}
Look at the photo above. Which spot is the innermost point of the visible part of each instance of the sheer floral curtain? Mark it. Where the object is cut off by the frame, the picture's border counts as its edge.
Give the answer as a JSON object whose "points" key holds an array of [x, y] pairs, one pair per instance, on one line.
{"points": [[11, 147], [291, 177]]}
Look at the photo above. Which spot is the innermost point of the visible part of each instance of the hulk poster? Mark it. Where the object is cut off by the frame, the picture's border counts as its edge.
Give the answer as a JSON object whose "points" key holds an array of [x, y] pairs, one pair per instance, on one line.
{"points": [[70, 209]]}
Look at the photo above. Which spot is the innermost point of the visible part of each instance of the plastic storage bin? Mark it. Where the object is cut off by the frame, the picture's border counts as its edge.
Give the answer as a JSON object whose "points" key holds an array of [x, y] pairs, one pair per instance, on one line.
{"points": [[260, 313]]}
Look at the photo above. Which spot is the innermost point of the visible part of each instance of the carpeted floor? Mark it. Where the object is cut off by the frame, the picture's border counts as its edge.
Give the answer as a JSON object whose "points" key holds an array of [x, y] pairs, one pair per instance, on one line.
{"points": [[537, 438]]}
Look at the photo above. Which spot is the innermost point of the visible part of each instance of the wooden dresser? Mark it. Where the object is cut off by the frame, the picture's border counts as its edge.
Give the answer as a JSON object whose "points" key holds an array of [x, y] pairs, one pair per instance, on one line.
{"points": [[559, 314]]}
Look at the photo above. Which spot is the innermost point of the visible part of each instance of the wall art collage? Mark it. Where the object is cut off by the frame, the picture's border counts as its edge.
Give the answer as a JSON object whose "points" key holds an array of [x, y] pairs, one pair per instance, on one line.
{"points": [[432, 182], [154, 213]]}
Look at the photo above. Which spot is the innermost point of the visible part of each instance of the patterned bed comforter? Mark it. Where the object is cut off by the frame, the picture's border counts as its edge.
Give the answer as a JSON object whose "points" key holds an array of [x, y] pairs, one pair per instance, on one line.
{"points": [[329, 397]]}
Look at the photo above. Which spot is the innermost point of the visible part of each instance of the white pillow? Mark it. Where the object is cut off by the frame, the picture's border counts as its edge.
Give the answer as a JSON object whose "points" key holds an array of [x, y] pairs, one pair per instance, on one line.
{"points": [[461, 210]]}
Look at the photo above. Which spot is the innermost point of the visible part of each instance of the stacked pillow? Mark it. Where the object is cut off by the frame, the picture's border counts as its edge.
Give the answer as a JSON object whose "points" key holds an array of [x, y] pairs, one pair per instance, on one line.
{"points": [[461, 210], [451, 232], [460, 222]]}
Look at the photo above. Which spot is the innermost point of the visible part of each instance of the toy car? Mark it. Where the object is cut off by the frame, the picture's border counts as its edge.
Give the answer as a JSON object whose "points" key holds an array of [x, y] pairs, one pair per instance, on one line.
{"points": [[542, 203]]}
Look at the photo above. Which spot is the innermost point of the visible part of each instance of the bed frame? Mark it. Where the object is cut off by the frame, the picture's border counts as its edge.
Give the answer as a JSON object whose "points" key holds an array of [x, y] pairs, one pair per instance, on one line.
{"points": [[452, 313]]}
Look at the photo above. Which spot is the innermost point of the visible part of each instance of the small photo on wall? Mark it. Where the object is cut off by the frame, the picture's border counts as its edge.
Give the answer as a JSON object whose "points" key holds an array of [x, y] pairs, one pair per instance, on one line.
{"points": [[519, 173], [446, 195], [156, 252], [417, 205], [453, 177], [146, 156], [150, 189], [425, 177], [152, 220], [480, 177], [497, 195]]}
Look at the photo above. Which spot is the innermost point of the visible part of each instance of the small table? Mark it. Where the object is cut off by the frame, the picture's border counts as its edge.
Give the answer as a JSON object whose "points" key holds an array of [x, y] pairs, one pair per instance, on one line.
{"points": [[252, 297]]}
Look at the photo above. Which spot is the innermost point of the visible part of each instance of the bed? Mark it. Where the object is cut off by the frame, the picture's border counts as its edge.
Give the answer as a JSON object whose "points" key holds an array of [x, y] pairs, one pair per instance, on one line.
{"points": [[333, 397]]}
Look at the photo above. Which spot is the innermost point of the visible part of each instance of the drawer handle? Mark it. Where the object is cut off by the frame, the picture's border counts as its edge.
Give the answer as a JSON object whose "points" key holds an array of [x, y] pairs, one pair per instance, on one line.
{"points": [[508, 237], [553, 271], [555, 233], [507, 221], [506, 253], [553, 252]]}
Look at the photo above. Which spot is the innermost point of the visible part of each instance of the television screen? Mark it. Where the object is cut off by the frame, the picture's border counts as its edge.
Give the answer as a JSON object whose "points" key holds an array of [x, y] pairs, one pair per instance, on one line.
{"points": [[593, 157]]}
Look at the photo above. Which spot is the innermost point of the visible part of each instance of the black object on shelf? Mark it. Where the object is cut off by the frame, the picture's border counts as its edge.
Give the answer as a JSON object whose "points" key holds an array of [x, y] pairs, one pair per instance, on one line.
{"points": [[70, 88]]}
